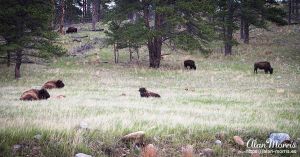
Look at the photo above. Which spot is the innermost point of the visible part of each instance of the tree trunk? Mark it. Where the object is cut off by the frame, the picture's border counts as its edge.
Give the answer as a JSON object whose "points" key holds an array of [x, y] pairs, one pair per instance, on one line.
{"points": [[154, 43], [290, 12], [100, 15], [297, 9], [88, 7], [229, 28], [293, 6], [154, 47], [62, 16], [130, 54], [53, 15], [242, 21], [18, 64], [8, 58], [137, 53], [83, 9], [246, 31], [95, 14], [242, 35], [116, 53]]}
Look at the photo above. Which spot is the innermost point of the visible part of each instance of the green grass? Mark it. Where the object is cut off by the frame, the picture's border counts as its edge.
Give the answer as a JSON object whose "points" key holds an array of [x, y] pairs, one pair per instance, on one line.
{"points": [[223, 96]]}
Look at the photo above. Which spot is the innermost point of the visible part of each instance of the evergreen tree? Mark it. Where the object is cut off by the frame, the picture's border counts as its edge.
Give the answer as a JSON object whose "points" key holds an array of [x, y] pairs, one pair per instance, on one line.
{"points": [[225, 19], [95, 13], [257, 13], [183, 22], [248, 12], [25, 25]]}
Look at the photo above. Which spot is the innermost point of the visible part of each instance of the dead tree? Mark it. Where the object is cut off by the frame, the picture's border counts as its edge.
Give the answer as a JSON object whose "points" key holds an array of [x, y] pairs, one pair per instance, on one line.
{"points": [[62, 16]]}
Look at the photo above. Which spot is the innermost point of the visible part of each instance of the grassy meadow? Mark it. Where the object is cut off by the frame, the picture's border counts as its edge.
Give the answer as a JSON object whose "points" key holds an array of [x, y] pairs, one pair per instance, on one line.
{"points": [[222, 96]]}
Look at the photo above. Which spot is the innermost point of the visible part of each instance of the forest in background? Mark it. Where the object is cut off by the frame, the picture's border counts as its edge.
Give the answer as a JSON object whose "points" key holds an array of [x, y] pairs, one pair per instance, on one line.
{"points": [[29, 28]]}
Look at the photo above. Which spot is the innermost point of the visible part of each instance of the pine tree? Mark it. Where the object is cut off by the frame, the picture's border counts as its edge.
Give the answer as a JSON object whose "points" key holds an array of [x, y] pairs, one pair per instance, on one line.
{"points": [[62, 16], [161, 21], [95, 13], [257, 13], [25, 25], [225, 18]]}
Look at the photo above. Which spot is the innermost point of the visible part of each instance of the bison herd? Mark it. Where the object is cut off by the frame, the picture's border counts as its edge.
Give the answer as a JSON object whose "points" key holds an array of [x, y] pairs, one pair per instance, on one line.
{"points": [[264, 65], [39, 94], [190, 64]]}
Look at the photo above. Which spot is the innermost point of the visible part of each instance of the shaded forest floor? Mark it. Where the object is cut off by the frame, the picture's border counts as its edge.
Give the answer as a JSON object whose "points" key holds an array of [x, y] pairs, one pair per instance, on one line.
{"points": [[222, 96]]}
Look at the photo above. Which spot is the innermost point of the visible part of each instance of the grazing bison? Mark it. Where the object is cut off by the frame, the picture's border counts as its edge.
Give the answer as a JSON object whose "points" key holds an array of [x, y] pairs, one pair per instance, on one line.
{"points": [[53, 84], [189, 64], [144, 93], [266, 66], [35, 94], [71, 30]]}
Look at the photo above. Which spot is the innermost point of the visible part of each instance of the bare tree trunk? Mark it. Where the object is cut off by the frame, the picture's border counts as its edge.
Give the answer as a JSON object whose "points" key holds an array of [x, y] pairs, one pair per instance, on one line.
{"points": [[290, 12], [229, 28], [242, 20], [8, 58], [95, 14], [130, 54], [18, 64], [293, 6], [297, 9], [84, 8], [137, 53], [88, 7], [116, 53], [100, 11], [242, 35], [246, 31], [62, 16], [53, 15]]}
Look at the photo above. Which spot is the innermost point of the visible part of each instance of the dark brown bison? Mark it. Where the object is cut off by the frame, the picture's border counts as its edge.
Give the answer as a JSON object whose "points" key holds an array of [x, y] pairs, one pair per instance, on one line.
{"points": [[144, 93], [53, 84], [35, 94], [71, 30], [266, 66], [189, 64]]}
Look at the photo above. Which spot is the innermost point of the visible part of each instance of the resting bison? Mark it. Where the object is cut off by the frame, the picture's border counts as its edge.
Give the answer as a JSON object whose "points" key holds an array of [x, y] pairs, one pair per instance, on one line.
{"points": [[53, 84], [189, 64], [145, 93], [35, 94], [266, 66], [71, 30]]}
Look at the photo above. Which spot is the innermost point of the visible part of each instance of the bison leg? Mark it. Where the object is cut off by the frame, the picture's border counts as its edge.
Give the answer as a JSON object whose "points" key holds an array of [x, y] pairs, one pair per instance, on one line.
{"points": [[255, 70]]}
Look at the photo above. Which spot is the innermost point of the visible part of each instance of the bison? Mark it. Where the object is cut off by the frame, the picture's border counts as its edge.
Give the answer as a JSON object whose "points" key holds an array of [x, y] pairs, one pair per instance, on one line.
{"points": [[144, 93], [53, 84], [71, 30], [266, 66], [189, 64], [35, 94]]}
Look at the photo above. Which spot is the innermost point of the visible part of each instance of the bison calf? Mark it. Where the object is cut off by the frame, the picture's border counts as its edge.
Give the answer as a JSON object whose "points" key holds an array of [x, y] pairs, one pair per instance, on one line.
{"points": [[53, 84], [266, 66], [145, 93], [35, 94], [189, 64], [71, 30]]}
